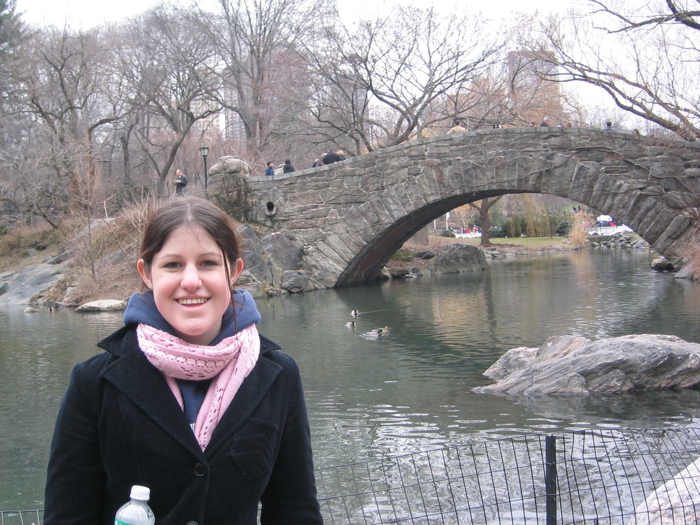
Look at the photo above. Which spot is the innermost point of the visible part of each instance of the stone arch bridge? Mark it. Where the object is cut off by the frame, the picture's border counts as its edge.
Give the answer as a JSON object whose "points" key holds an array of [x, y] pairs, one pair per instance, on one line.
{"points": [[350, 217]]}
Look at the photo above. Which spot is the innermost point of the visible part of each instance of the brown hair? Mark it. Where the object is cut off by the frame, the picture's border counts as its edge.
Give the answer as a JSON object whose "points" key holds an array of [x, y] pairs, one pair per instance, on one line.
{"points": [[190, 211]]}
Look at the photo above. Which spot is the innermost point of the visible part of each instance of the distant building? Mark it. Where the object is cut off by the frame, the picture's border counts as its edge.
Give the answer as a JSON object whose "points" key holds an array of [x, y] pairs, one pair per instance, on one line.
{"points": [[232, 126]]}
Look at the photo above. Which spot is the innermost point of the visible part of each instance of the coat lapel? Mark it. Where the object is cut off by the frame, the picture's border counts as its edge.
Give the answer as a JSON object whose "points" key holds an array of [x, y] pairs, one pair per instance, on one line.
{"points": [[249, 395], [144, 384]]}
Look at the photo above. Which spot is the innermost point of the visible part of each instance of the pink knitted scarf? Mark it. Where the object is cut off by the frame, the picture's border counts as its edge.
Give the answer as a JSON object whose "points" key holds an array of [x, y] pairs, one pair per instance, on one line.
{"points": [[229, 363]]}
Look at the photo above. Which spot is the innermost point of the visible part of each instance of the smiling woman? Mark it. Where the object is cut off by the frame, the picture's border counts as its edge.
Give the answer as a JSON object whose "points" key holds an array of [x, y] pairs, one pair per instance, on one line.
{"points": [[187, 374]]}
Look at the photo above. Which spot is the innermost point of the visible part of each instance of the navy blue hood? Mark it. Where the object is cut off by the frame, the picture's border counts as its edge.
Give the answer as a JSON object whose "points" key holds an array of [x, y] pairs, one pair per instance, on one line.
{"points": [[142, 309]]}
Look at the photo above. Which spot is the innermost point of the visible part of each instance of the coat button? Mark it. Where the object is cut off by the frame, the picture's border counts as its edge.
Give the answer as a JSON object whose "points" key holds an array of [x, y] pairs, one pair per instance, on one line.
{"points": [[200, 470], [191, 523]]}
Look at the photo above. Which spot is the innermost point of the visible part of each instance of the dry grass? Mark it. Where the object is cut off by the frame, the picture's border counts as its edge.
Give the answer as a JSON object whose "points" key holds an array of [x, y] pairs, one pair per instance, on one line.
{"points": [[527, 242], [103, 255], [18, 244], [578, 234], [106, 264]]}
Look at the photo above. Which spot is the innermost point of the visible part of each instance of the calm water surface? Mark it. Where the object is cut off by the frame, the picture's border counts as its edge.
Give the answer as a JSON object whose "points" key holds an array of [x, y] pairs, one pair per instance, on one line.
{"points": [[407, 392]]}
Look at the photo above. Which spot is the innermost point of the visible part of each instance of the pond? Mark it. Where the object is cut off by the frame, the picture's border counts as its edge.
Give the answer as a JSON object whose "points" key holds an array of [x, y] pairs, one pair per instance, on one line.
{"points": [[408, 391]]}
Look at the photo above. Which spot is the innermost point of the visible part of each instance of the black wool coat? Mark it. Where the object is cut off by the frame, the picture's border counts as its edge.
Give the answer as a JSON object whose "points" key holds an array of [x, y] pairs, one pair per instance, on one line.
{"points": [[120, 425]]}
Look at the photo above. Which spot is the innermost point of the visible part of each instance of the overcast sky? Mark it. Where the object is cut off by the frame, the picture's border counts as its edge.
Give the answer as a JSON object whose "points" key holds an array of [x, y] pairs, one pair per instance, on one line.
{"points": [[89, 13]]}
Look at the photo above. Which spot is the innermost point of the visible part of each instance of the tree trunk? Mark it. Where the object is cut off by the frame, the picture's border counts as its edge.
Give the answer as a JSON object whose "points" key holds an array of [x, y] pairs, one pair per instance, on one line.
{"points": [[483, 207]]}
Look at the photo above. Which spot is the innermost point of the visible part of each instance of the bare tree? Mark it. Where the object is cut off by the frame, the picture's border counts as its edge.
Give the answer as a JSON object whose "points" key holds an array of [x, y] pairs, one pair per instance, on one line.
{"points": [[262, 73], [383, 77], [169, 64], [484, 207], [647, 59], [61, 101]]}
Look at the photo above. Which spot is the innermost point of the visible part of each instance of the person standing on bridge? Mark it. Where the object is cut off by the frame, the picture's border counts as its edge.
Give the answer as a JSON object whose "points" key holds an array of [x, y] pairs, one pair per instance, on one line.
{"points": [[180, 183], [188, 399], [270, 170], [288, 168], [331, 157], [457, 128]]}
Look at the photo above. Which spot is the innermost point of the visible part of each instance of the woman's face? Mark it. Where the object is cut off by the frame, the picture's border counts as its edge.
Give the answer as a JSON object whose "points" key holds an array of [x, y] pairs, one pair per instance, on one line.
{"points": [[190, 287]]}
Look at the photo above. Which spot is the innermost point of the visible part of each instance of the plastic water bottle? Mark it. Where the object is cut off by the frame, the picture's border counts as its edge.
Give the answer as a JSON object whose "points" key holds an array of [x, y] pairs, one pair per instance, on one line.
{"points": [[136, 511]]}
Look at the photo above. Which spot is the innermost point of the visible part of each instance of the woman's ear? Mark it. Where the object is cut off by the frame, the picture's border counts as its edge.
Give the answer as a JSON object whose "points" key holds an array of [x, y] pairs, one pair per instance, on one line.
{"points": [[141, 267], [236, 270]]}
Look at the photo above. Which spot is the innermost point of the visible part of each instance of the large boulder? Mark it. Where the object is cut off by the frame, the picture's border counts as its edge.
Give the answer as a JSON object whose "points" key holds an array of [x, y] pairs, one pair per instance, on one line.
{"points": [[103, 305], [253, 255], [573, 366], [512, 361], [457, 258], [247, 281], [676, 501], [21, 286], [228, 187], [282, 253], [295, 282], [661, 264], [230, 165]]}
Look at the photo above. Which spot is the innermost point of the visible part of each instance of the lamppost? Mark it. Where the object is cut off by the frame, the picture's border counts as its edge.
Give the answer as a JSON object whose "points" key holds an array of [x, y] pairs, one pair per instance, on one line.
{"points": [[204, 150]]}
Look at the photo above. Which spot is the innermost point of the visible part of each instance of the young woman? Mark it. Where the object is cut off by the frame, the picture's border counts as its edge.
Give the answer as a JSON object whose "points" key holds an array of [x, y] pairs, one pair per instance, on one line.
{"points": [[188, 399]]}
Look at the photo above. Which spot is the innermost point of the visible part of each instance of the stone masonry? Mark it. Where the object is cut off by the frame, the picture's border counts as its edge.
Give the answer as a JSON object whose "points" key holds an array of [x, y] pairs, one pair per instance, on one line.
{"points": [[350, 217]]}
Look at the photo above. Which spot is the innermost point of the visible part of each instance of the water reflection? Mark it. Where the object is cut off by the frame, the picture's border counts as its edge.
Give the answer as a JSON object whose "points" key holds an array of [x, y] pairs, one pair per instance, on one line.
{"points": [[409, 391], [37, 352]]}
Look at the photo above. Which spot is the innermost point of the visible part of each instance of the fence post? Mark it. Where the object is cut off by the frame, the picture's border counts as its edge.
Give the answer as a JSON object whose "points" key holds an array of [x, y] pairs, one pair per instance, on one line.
{"points": [[550, 479]]}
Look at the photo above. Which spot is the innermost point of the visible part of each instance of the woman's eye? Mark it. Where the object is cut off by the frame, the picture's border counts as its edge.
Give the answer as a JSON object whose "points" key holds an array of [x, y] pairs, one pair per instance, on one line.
{"points": [[171, 265], [210, 263]]}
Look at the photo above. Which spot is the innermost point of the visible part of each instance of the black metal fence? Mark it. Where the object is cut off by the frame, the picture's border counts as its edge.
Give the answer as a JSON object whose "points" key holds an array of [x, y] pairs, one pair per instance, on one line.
{"points": [[596, 477], [639, 477], [21, 517]]}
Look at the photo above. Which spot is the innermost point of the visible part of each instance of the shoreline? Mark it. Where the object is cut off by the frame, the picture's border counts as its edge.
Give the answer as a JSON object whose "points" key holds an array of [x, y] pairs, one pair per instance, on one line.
{"points": [[117, 281], [500, 247]]}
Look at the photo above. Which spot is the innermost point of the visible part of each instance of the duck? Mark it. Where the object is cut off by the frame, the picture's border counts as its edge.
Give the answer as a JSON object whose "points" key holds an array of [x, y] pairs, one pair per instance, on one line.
{"points": [[350, 324], [355, 313], [376, 333]]}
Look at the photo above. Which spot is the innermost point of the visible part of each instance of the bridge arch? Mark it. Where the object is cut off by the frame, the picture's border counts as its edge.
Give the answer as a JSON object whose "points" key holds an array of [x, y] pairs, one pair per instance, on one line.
{"points": [[352, 216]]}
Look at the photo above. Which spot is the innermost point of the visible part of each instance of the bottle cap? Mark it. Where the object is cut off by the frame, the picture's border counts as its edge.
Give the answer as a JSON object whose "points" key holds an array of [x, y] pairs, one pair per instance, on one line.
{"points": [[140, 493]]}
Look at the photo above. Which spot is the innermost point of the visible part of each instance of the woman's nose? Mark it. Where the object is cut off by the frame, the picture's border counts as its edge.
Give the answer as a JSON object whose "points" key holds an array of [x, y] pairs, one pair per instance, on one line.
{"points": [[190, 277]]}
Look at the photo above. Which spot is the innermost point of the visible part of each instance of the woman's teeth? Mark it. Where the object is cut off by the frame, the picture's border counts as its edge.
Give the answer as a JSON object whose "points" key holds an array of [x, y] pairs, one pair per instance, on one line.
{"points": [[192, 301]]}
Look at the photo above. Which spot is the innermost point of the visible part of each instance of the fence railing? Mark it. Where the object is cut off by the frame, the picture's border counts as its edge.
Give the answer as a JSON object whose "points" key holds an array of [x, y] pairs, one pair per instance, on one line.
{"points": [[639, 477], [598, 477], [21, 517]]}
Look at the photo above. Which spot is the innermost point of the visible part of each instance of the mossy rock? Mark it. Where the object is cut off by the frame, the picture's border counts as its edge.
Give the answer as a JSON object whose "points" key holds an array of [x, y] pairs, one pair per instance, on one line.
{"points": [[402, 255]]}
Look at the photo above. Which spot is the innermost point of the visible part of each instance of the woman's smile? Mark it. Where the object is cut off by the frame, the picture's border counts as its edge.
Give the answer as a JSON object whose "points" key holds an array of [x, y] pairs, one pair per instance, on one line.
{"points": [[189, 302]]}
